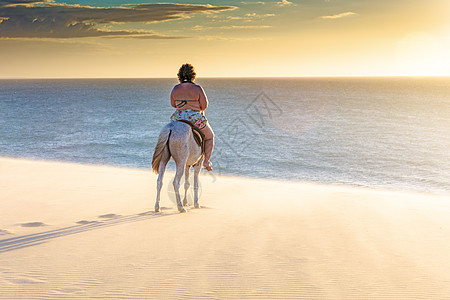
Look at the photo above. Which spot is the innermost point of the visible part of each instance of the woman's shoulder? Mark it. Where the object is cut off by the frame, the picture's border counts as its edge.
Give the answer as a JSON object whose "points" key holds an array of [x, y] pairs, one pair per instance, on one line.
{"points": [[198, 86], [195, 85], [192, 86]]}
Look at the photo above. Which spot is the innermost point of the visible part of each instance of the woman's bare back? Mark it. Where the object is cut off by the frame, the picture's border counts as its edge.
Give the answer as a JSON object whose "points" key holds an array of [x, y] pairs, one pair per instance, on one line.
{"points": [[188, 91]]}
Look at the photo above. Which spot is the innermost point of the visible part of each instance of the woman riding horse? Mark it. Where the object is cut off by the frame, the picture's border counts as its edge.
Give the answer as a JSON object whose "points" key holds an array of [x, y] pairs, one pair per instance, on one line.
{"points": [[190, 102]]}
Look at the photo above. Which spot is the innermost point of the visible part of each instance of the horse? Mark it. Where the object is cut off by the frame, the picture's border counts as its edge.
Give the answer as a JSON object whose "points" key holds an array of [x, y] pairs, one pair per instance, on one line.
{"points": [[176, 140]]}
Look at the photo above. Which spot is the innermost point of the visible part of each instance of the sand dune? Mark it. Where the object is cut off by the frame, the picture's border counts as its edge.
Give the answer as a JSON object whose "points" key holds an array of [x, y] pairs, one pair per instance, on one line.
{"points": [[71, 231]]}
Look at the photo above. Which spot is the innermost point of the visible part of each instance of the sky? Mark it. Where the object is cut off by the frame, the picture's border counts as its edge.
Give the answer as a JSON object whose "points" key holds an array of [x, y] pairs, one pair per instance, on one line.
{"points": [[224, 38]]}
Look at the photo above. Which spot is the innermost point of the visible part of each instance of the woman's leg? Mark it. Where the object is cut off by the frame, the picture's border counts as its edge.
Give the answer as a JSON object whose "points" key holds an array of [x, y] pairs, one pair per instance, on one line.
{"points": [[209, 145]]}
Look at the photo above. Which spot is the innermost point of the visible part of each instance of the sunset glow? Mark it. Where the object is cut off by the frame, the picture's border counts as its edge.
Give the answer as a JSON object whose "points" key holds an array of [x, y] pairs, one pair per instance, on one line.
{"points": [[79, 38]]}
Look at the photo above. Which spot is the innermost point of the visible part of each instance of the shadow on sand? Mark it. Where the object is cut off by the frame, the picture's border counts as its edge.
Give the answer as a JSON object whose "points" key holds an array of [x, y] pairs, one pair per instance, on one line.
{"points": [[30, 240]]}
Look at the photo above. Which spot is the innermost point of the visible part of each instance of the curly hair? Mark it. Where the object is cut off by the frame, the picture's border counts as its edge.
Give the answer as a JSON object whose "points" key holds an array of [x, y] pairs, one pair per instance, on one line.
{"points": [[186, 72]]}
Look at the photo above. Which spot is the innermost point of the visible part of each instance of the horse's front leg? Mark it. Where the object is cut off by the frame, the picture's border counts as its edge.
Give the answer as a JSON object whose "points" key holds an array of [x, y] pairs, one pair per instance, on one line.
{"points": [[158, 190], [159, 184], [197, 169], [186, 184], [176, 185]]}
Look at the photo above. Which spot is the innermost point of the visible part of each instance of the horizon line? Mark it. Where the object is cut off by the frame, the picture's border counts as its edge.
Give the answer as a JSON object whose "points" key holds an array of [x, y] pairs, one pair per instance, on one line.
{"points": [[236, 77]]}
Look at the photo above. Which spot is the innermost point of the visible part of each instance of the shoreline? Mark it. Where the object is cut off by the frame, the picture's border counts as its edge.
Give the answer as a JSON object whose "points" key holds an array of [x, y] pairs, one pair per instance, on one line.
{"points": [[204, 173], [236, 77]]}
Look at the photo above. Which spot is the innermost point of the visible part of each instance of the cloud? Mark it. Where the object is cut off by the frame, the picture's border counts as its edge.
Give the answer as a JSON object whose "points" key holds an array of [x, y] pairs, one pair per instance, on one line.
{"points": [[338, 16], [245, 27], [220, 38], [46, 19], [250, 16], [284, 3], [258, 2], [235, 18], [27, 3], [198, 28]]}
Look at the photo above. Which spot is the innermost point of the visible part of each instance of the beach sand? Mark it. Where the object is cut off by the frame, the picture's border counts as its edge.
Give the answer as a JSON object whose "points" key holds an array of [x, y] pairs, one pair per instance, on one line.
{"points": [[71, 231]]}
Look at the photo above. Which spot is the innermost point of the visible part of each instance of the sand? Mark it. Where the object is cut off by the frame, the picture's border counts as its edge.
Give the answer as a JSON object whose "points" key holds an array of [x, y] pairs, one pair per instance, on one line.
{"points": [[71, 231]]}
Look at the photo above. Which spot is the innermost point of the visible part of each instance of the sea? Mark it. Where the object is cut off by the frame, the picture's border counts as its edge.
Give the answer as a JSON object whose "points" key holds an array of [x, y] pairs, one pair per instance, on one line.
{"points": [[390, 133]]}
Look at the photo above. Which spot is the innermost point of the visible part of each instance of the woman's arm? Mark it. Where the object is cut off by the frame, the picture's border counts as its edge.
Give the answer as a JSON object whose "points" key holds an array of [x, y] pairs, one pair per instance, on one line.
{"points": [[203, 99], [172, 100]]}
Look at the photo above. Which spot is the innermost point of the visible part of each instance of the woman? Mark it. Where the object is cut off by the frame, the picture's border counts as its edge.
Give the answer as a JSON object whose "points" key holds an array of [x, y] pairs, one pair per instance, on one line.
{"points": [[190, 102]]}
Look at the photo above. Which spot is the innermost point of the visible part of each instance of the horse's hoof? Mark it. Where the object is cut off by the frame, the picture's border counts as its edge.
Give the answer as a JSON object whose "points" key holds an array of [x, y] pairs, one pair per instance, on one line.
{"points": [[196, 206], [157, 209], [207, 166], [182, 209], [185, 203]]}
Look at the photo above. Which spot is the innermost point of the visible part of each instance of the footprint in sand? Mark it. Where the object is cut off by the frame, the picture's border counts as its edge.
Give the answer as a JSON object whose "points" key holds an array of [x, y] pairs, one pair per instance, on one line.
{"points": [[4, 232], [86, 222], [25, 280], [109, 216], [33, 224], [66, 291]]}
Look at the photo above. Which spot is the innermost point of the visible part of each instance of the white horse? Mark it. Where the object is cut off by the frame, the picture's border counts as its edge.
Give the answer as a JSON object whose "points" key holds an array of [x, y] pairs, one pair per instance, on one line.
{"points": [[176, 141]]}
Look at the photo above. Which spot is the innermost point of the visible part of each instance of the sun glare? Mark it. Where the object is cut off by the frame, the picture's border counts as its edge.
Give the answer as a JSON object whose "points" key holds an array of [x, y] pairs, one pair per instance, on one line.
{"points": [[423, 54]]}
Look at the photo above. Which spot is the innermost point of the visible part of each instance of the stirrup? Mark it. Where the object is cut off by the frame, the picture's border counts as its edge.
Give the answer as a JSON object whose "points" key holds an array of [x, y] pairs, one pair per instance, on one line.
{"points": [[208, 167]]}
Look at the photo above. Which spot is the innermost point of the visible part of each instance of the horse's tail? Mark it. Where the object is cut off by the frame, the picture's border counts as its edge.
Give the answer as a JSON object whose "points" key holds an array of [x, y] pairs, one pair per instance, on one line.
{"points": [[160, 148]]}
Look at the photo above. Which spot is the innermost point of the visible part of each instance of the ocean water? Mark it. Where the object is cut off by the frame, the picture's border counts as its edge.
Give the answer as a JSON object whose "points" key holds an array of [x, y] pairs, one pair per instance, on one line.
{"points": [[374, 132]]}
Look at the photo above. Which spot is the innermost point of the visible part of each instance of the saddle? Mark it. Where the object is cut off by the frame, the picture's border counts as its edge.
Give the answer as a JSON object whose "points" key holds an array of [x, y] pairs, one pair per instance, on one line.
{"points": [[199, 137]]}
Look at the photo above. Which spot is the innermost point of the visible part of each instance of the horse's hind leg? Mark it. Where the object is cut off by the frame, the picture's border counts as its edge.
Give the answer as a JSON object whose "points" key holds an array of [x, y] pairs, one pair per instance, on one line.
{"points": [[176, 184], [197, 169], [159, 183], [186, 184]]}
